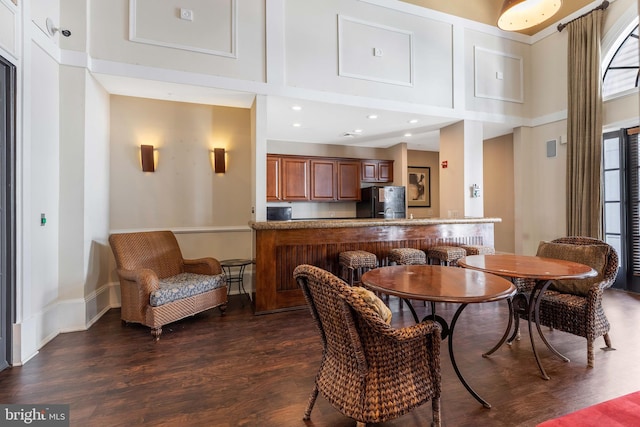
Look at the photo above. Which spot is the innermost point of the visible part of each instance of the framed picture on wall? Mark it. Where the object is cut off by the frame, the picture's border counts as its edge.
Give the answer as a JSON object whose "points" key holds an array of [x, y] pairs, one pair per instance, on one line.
{"points": [[419, 187]]}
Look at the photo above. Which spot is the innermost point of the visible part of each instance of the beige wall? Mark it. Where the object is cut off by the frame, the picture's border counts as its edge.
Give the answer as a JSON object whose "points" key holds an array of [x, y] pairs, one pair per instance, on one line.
{"points": [[209, 211], [184, 191], [498, 191], [430, 159], [452, 190]]}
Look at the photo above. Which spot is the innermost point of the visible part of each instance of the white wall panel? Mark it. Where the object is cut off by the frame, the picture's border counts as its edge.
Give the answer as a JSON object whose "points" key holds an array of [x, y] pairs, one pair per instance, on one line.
{"points": [[190, 25], [8, 26], [484, 92], [374, 52], [319, 57], [44, 167], [109, 38], [498, 75]]}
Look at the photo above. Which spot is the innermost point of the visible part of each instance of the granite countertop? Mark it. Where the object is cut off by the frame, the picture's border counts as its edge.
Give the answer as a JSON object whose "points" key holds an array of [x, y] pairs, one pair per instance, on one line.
{"points": [[363, 222]]}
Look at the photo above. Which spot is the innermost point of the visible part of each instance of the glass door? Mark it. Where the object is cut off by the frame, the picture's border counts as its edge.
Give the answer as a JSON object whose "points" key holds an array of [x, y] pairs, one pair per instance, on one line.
{"points": [[622, 203]]}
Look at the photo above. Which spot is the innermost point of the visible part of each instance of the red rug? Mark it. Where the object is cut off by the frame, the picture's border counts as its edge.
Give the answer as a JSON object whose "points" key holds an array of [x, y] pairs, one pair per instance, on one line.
{"points": [[623, 411]]}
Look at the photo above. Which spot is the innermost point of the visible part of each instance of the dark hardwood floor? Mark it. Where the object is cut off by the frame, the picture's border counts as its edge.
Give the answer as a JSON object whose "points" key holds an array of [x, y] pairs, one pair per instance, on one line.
{"points": [[246, 370]]}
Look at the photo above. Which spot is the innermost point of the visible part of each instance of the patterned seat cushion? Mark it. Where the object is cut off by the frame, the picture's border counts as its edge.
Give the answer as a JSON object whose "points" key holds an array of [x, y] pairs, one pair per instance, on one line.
{"points": [[184, 285], [407, 256], [358, 259], [446, 253], [478, 249]]}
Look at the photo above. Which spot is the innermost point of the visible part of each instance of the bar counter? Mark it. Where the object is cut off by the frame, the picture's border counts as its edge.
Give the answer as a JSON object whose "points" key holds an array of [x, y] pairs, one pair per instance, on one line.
{"points": [[283, 245]]}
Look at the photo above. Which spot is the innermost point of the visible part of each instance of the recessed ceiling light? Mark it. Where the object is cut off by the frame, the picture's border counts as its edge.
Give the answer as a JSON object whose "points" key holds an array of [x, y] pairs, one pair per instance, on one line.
{"points": [[412, 121], [296, 108], [296, 125], [407, 134], [357, 130], [372, 116]]}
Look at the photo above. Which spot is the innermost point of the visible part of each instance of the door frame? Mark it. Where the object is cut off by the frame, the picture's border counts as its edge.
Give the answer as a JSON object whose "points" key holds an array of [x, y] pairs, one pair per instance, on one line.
{"points": [[7, 213]]}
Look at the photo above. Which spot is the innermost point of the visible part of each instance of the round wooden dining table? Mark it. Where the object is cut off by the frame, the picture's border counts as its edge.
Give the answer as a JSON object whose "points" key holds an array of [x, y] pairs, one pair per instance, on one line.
{"points": [[543, 271], [436, 283]]}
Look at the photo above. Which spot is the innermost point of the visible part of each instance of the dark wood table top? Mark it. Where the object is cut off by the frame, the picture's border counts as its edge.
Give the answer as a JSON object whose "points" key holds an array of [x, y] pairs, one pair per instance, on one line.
{"points": [[526, 266], [438, 283]]}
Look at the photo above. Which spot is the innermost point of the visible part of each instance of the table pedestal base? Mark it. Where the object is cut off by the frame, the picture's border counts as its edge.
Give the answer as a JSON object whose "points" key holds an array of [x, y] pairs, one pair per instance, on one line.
{"points": [[532, 309], [447, 332]]}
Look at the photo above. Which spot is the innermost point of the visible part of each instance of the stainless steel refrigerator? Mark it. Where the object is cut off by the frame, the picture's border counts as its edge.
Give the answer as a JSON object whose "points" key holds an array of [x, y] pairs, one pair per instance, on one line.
{"points": [[381, 202]]}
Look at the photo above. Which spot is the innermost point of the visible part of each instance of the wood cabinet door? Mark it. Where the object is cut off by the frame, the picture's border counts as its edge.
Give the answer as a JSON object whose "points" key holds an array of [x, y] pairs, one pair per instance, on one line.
{"points": [[323, 179], [377, 170], [369, 170], [294, 178], [348, 180], [273, 179], [385, 171]]}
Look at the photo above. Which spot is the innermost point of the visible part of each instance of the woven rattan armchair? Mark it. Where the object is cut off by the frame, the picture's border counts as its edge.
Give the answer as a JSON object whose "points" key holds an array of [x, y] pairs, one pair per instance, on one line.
{"points": [[581, 315], [370, 371], [158, 286]]}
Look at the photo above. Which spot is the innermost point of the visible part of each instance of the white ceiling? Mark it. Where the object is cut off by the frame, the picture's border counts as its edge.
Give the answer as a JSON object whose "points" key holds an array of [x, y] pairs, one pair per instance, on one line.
{"points": [[320, 122]]}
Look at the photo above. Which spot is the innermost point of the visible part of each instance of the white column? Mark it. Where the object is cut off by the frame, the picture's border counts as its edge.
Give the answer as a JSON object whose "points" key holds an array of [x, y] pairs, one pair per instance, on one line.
{"points": [[461, 149]]}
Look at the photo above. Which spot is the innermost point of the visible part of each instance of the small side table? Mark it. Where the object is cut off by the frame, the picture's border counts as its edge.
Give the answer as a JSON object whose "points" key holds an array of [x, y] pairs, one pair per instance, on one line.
{"points": [[241, 264]]}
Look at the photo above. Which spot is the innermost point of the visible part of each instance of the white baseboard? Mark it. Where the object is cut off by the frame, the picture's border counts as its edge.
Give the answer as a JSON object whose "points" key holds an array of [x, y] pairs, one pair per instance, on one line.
{"points": [[62, 316]]}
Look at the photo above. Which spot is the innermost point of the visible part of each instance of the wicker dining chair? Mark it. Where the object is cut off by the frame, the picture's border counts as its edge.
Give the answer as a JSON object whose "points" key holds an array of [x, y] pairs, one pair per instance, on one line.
{"points": [[578, 313], [370, 371]]}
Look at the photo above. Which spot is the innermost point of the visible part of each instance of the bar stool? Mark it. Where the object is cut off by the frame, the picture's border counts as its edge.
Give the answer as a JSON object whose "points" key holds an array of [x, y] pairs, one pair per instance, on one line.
{"points": [[445, 255], [478, 249], [407, 256], [356, 263]]}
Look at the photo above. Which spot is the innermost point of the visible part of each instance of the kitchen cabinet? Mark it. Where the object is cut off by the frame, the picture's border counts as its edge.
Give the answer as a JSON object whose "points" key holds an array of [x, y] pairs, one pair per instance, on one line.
{"points": [[294, 178], [348, 180], [377, 170], [321, 179], [273, 179], [335, 180]]}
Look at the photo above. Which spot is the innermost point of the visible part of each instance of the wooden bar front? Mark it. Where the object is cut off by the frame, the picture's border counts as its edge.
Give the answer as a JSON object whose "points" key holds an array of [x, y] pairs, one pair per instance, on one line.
{"points": [[282, 246]]}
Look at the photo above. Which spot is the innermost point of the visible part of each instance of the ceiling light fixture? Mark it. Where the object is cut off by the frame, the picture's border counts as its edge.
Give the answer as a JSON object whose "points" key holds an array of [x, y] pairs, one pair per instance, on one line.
{"points": [[296, 125], [412, 121], [296, 108], [407, 134], [372, 116], [517, 15]]}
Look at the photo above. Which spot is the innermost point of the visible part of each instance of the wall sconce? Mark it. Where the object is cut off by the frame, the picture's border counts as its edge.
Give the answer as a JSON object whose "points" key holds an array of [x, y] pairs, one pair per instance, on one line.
{"points": [[146, 155], [219, 165], [520, 14]]}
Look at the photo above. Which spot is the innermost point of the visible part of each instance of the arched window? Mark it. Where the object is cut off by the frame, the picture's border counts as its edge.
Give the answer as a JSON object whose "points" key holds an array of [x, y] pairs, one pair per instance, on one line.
{"points": [[622, 72]]}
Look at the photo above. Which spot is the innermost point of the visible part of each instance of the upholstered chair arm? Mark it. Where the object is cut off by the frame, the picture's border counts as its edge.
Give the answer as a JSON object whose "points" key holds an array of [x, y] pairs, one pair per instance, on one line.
{"points": [[209, 266], [146, 279]]}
